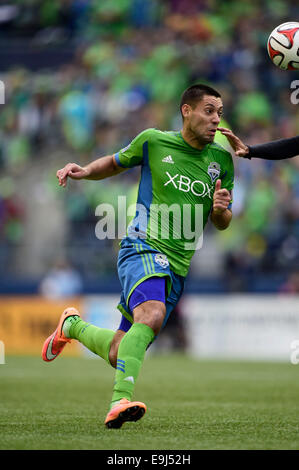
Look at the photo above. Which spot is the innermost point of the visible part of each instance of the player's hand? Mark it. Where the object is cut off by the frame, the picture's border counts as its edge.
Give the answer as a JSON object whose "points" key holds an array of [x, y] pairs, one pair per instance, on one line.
{"points": [[71, 170], [221, 198], [238, 146]]}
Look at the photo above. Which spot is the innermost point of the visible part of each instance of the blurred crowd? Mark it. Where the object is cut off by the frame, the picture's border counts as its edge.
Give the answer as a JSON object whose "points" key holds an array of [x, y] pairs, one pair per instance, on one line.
{"points": [[131, 60]]}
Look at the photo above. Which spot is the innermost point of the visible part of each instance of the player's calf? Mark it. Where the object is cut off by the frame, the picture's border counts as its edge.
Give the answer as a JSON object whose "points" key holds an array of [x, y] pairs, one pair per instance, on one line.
{"points": [[114, 347]]}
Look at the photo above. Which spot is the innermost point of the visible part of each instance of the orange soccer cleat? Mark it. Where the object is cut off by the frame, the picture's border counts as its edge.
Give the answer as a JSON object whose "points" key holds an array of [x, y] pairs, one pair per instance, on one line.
{"points": [[54, 345], [124, 411]]}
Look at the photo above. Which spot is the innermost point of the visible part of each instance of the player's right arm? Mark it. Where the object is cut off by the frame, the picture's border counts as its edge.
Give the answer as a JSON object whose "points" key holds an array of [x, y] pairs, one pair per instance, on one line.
{"points": [[110, 165], [97, 170]]}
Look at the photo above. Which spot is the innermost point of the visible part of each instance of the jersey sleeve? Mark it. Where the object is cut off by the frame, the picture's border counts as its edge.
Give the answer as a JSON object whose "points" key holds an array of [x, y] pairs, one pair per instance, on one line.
{"points": [[132, 155]]}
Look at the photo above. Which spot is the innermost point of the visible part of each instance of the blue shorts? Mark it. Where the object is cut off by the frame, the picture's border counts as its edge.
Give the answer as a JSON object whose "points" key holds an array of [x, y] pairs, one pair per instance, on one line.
{"points": [[137, 261]]}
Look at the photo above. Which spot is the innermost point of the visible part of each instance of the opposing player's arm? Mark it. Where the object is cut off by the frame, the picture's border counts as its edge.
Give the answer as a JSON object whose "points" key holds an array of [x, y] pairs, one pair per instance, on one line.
{"points": [[97, 170], [274, 150], [221, 215]]}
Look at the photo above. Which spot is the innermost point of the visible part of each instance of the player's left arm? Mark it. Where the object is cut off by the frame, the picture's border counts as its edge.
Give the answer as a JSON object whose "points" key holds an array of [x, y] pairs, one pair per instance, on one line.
{"points": [[273, 150], [221, 215]]}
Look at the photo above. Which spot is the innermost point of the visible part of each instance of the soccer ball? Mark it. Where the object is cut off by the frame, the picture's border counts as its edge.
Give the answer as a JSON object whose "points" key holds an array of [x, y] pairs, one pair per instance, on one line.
{"points": [[283, 46]]}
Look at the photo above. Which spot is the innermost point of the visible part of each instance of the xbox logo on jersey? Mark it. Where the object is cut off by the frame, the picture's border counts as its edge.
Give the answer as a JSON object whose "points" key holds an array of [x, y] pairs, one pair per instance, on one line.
{"points": [[185, 184]]}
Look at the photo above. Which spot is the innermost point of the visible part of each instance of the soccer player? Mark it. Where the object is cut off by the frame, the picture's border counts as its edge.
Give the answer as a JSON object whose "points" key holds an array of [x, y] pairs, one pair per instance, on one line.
{"points": [[182, 170], [274, 150]]}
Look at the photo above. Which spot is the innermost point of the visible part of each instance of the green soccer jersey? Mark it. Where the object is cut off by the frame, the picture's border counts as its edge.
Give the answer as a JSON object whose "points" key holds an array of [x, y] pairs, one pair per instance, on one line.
{"points": [[176, 188]]}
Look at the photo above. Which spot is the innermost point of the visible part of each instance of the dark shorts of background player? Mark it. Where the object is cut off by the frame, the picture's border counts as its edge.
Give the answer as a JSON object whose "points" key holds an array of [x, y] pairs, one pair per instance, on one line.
{"points": [[144, 274]]}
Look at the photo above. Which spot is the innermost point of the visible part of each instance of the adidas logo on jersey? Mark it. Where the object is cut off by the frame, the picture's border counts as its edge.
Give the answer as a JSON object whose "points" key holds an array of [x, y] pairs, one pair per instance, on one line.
{"points": [[168, 159]]}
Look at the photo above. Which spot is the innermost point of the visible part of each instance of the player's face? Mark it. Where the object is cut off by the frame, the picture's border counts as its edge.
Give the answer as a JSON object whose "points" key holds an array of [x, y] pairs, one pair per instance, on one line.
{"points": [[202, 121]]}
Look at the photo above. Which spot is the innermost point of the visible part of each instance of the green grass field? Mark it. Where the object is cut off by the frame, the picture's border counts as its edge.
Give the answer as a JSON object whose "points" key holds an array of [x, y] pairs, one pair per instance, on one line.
{"points": [[191, 405]]}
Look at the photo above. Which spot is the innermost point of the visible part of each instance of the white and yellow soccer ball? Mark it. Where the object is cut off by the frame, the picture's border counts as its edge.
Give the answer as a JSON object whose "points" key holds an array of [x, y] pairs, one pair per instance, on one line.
{"points": [[283, 46]]}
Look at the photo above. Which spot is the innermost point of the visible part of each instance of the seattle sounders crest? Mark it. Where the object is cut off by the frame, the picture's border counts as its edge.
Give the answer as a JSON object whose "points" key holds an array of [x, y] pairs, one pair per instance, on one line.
{"points": [[214, 171], [162, 260]]}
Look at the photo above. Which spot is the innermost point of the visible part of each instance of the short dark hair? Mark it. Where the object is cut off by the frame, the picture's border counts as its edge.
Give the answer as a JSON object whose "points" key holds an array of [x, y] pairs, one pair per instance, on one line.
{"points": [[194, 94]]}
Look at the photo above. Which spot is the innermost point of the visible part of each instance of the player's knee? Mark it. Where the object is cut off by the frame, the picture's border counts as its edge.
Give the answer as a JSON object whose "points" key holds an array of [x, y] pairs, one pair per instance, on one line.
{"points": [[151, 314], [155, 321]]}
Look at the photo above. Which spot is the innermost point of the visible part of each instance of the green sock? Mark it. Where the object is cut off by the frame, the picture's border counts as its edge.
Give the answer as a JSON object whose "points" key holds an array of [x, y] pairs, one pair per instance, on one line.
{"points": [[68, 323], [130, 357], [97, 340]]}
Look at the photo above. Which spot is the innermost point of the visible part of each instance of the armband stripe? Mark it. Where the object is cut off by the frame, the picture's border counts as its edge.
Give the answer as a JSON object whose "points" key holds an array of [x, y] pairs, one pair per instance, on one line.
{"points": [[118, 160]]}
